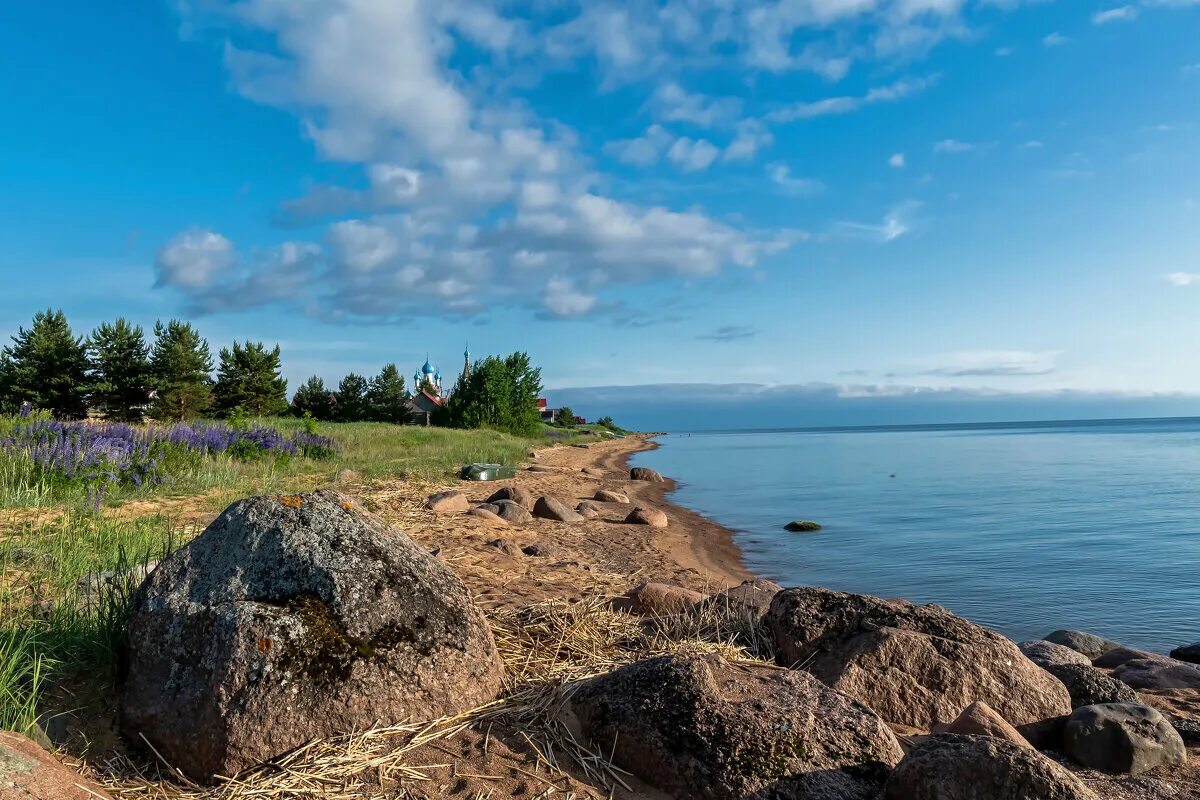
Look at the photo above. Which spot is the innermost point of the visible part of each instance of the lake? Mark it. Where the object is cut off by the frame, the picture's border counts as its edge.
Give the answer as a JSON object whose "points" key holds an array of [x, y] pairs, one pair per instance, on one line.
{"points": [[1025, 528]]}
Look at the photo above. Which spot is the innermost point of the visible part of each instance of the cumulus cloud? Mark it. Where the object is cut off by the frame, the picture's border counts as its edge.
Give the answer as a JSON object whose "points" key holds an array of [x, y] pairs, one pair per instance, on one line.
{"points": [[896, 160], [672, 103], [195, 259], [693, 155]]}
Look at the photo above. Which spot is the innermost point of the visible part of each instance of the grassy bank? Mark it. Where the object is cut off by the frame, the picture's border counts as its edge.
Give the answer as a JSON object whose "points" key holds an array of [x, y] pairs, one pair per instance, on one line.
{"points": [[68, 567]]}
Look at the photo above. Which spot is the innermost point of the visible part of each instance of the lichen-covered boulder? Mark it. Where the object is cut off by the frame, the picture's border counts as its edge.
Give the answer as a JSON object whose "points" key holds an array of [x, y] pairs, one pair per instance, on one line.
{"points": [[1090, 685], [914, 665], [1122, 737], [1089, 644], [27, 772], [699, 727], [1044, 654], [645, 474], [949, 767], [291, 618]]}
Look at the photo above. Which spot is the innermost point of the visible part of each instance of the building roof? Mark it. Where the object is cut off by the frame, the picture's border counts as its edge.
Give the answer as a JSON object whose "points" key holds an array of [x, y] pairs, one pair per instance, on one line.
{"points": [[427, 369]]}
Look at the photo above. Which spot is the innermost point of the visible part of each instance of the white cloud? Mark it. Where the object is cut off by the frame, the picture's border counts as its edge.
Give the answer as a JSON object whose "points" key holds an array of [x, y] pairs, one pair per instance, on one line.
{"points": [[896, 160], [1032, 144], [832, 106], [1055, 39], [562, 299], [896, 223], [751, 137], [952, 146], [643, 151], [1117, 14], [672, 103], [362, 246], [692, 156], [780, 175], [194, 260], [1182, 278]]}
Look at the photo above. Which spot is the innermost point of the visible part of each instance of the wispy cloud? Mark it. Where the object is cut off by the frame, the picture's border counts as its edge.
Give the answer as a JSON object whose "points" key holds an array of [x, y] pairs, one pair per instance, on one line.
{"points": [[781, 176], [1118, 14], [952, 146], [988, 363], [1182, 278], [730, 333], [896, 160], [1055, 39], [896, 223], [845, 104]]}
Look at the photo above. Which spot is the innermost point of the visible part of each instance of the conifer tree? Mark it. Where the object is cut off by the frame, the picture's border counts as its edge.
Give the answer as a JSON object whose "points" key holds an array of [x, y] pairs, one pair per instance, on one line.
{"points": [[181, 367], [498, 393], [45, 366], [119, 370], [352, 399], [249, 379], [386, 397], [314, 398]]}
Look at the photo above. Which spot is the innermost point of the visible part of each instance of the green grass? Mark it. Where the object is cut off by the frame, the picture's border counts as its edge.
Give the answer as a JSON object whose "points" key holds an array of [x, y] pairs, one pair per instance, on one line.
{"points": [[50, 629]]}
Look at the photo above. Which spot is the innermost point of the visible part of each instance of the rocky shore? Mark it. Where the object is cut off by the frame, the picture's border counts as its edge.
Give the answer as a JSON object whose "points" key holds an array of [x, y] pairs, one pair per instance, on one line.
{"points": [[571, 633]]}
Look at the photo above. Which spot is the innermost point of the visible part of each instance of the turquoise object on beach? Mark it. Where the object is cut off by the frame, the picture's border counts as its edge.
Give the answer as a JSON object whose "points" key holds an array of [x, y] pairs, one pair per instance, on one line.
{"points": [[487, 472]]}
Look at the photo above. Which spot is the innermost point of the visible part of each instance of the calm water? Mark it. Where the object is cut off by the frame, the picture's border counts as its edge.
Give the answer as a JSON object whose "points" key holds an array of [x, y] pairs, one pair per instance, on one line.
{"points": [[1023, 528]]}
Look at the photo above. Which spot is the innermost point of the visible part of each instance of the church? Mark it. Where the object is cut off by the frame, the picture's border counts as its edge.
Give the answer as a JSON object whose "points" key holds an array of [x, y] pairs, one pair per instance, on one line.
{"points": [[427, 393]]}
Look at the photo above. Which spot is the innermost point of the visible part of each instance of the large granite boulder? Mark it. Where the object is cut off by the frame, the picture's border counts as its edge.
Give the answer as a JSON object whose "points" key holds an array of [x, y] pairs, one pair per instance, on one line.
{"points": [[552, 508], [27, 772], [1159, 673], [1089, 644], [291, 618], [1189, 653], [1122, 737], [1090, 685], [949, 767], [645, 474], [517, 494], [914, 665], [1045, 654], [699, 727]]}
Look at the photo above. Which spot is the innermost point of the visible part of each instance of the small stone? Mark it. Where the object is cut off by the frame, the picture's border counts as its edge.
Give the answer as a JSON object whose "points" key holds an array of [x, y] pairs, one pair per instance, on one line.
{"points": [[513, 512], [537, 551], [980, 719], [1044, 654], [803, 526], [515, 493], [609, 496], [593, 472], [588, 510], [552, 508], [488, 517], [647, 516], [1090, 645], [28, 772], [1122, 737], [505, 546], [657, 599], [1189, 653], [451, 502], [645, 474]]}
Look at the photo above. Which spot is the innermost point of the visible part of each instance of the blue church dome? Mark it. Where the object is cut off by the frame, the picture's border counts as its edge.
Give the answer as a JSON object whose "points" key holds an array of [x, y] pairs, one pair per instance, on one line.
{"points": [[427, 369]]}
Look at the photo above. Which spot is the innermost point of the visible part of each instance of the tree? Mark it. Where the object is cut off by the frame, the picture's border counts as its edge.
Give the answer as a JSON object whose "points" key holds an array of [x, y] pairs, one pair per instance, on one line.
{"points": [[386, 398], [248, 379], [352, 399], [181, 367], [313, 397], [119, 362], [497, 393], [45, 366], [566, 417]]}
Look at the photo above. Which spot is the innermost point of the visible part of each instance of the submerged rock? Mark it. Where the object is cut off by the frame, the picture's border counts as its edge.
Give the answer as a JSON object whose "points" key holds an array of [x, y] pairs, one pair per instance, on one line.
{"points": [[914, 665], [645, 474], [1122, 737], [949, 767], [292, 618], [699, 727], [803, 526]]}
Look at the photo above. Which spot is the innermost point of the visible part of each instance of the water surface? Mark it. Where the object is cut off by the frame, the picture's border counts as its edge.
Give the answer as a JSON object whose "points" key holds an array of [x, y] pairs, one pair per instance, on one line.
{"points": [[1024, 528]]}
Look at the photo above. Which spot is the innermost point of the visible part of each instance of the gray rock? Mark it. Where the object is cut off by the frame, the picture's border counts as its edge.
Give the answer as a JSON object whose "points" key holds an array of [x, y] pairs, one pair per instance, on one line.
{"points": [[522, 497], [949, 767], [699, 727], [753, 596], [292, 618], [1188, 729], [491, 508], [94, 587], [1122, 737], [1044, 654], [914, 665], [1090, 685], [513, 512], [1189, 653], [1091, 646], [552, 508], [645, 474], [1159, 673]]}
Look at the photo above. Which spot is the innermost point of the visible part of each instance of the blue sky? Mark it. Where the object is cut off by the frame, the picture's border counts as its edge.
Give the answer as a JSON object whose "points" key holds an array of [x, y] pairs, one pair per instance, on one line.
{"points": [[888, 198]]}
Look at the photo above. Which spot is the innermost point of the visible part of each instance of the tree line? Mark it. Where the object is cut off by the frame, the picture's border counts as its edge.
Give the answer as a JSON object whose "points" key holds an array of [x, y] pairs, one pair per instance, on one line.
{"points": [[119, 374]]}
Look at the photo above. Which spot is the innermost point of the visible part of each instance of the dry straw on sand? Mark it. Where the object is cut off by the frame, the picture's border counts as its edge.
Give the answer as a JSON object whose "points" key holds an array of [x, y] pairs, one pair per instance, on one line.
{"points": [[546, 648]]}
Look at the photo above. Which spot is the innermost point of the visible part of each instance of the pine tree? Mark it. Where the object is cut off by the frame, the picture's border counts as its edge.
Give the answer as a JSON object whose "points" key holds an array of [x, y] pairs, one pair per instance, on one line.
{"points": [[46, 366], [566, 417], [352, 399], [181, 367], [314, 398], [498, 393], [386, 397], [119, 363], [249, 379]]}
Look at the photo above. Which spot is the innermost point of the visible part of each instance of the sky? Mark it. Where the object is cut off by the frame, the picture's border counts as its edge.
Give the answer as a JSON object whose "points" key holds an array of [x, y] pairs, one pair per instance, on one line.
{"points": [[990, 202]]}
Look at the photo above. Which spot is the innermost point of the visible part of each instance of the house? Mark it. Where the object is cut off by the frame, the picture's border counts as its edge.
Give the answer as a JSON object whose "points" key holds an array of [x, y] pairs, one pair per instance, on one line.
{"points": [[422, 406]]}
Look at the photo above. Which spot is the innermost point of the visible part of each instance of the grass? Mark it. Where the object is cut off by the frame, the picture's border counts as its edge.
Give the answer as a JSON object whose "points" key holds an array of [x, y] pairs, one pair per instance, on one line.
{"points": [[52, 627]]}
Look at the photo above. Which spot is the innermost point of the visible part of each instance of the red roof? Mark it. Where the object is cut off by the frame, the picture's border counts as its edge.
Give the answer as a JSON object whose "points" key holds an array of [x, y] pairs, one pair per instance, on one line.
{"points": [[541, 402], [436, 400]]}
